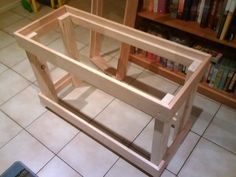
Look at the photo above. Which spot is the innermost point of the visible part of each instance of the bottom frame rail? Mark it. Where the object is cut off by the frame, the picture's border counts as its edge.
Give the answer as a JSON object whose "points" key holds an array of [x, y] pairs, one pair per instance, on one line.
{"points": [[103, 138]]}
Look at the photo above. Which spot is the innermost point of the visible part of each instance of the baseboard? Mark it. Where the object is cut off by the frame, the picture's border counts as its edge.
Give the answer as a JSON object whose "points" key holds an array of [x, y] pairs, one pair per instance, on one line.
{"points": [[9, 6]]}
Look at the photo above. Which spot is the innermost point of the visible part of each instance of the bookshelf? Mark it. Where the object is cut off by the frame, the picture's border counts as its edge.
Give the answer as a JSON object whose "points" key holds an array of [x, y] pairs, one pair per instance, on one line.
{"points": [[192, 28]]}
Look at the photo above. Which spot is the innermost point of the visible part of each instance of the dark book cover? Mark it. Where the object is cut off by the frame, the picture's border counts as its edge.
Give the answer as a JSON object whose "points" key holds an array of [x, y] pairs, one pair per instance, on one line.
{"points": [[213, 12], [187, 10], [173, 8], [180, 9], [193, 10], [162, 6], [232, 29], [206, 11]]}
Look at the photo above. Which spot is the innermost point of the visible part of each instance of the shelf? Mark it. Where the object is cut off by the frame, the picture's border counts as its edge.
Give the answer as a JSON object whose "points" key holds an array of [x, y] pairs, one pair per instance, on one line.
{"points": [[191, 27], [178, 77]]}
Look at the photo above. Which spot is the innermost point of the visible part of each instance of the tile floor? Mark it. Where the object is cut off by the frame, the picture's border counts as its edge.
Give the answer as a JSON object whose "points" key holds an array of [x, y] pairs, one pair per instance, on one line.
{"points": [[53, 148]]}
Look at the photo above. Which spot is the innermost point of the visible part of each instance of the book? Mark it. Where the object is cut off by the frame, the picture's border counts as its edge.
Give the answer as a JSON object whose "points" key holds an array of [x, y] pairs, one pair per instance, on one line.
{"points": [[187, 8], [205, 14], [162, 6], [193, 10], [228, 19], [200, 10], [223, 18], [232, 83], [151, 5], [180, 9], [173, 8], [214, 74], [232, 29], [213, 13], [155, 6]]}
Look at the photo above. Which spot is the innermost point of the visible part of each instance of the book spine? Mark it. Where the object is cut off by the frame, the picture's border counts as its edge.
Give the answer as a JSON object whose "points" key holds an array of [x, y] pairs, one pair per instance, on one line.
{"points": [[205, 14], [193, 11], [213, 13], [228, 19], [151, 5], [232, 83], [162, 7], [223, 79], [229, 77], [187, 8], [200, 11], [155, 6], [173, 8], [180, 8]]}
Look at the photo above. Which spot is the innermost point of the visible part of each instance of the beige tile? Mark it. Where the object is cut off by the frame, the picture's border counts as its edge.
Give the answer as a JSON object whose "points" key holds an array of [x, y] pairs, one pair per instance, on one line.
{"points": [[24, 68], [17, 25], [206, 110], [89, 100], [124, 169], [8, 129], [5, 40], [25, 107], [183, 152], [55, 168], [82, 35], [26, 149], [10, 84], [167, 174], [57, 73], [87, 156], [151, 83], [52, 131], [123, 119], [10, 58], [7, 18], [209, 160], [49, 37], [2, 68], [222, 129]]}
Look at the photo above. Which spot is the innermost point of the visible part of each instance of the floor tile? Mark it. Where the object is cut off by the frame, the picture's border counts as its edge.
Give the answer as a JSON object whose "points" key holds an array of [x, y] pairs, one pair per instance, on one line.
{"points": [[209, 160], [166, 173], [55, 168], [52, 131], [8, 129], [124, 169], [82, 35], [49, 37], [123, 119], [10, 84], [25, 107], [2, 68], [10, 58], [89, 100], [24, 68], [203, 116], [88, 157], [5, 40], [183, 152], [222, 129], [17, 25], [8, 18], [151, 83], [26, 149], [57, 73]]}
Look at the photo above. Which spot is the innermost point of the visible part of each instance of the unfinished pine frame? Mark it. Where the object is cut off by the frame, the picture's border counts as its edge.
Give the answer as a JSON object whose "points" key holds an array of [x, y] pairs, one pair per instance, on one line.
{"points": [[171, 110]]}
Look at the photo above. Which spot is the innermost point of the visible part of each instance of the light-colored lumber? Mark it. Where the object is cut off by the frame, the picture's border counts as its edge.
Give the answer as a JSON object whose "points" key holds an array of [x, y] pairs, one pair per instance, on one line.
{"points": [[95, 38], [100, 136], [129, 20], [170, 110], [42, 75]]}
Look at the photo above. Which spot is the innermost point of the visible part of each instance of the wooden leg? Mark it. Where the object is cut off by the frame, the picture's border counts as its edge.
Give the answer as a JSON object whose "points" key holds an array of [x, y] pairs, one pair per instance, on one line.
{"points": [[42, 74], [68, 36], [129, 20], [95, 38], [160, 140]]}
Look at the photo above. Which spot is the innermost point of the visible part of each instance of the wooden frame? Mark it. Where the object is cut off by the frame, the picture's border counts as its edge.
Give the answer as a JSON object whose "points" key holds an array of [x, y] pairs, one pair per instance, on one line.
{"points": [[171, 110]]}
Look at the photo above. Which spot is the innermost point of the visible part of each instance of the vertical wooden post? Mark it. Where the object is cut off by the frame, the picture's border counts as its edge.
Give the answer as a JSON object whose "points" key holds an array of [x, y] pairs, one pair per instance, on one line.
{"points": [[129, 20], [68, 36], [160, 140], [42, 74], [95, 37]]}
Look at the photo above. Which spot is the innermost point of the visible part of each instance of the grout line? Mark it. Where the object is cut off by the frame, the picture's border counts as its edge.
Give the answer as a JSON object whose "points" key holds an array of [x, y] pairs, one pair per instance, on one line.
{"points": [[197, 141], [112, 166], [46, 163]]}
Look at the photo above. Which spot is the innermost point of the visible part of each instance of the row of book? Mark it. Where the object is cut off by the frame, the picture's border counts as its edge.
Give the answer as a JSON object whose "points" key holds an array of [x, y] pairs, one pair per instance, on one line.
{"points": [[219, 15], [221, 73]]}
